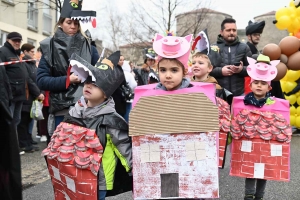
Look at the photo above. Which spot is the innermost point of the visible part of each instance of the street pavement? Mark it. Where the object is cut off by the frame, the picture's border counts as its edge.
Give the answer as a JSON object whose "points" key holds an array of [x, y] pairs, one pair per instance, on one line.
{"points": [[37, 184]]}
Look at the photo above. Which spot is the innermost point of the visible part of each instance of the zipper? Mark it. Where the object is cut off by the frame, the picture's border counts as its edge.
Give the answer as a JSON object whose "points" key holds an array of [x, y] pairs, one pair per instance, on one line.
{"points": [[229, 59]]}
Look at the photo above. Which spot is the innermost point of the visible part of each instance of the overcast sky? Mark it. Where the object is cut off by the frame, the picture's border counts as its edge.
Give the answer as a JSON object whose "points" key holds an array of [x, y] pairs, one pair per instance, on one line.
{"points": [[245, 10]]}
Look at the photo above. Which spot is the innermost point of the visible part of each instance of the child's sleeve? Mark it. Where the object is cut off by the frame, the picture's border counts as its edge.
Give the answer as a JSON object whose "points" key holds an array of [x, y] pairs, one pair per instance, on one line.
{"points": [[122, 146]]}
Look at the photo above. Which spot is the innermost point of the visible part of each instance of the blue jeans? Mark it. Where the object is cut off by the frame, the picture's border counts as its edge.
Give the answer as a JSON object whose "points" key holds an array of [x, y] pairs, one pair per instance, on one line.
{"points": [[128, 109], [255, 187], [101, 194], [30, 126], [15, 109], [58, 119]]}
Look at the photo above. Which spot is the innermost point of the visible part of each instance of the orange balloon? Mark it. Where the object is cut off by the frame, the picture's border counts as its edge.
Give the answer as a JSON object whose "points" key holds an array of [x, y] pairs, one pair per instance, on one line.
{"points": [[272, 50], [294, 61], [289, 45], [297, 35], [282, 70]]}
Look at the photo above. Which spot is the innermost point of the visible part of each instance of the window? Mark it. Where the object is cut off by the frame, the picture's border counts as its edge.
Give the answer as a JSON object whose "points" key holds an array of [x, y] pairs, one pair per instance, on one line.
{"points": [[47, 18], [2, 37], [32, 15], [31, 41]]}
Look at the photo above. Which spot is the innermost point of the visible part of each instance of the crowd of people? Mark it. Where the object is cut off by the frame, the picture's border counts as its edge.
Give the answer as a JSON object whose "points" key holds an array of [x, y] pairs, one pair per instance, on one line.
{"points": [[22, 82]]}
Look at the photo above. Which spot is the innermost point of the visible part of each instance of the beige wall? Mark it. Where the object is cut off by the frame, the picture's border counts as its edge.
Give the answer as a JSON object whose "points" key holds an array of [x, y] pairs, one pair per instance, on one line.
{"points": [[13, 17], [271, 34], [134, 54]]}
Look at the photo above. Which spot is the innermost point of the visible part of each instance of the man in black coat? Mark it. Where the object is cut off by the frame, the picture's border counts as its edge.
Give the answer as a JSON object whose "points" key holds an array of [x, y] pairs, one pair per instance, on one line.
{"points": [[231, 71], [17, 74], [10, 166], [253, 32]]}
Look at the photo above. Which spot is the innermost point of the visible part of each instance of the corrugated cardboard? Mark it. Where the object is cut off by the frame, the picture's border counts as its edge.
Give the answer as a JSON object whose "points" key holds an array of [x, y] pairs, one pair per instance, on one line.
{"points": [[165, 114]]}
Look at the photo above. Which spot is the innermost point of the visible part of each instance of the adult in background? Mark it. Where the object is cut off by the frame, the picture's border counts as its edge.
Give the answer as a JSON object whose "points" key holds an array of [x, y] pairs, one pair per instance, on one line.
{"points": [[253, 32], [52, 73], [26, 124], [131, 83], [232, 69], [10, 166], [148, 73], [19, 80]]}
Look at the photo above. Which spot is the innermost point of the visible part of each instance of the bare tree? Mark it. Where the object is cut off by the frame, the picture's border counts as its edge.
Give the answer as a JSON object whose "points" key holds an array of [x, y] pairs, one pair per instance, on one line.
{"points": [[159, 16], [53, 4]]}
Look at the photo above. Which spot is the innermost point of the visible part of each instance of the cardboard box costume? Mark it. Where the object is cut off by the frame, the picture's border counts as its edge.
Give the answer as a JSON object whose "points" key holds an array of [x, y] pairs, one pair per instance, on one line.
{"points": [[176, 155], [261, 136]]}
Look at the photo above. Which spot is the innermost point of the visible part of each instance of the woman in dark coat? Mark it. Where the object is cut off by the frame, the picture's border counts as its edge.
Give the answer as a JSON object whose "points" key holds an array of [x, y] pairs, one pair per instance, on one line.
{"points": [[24, 135], [52, 73]]}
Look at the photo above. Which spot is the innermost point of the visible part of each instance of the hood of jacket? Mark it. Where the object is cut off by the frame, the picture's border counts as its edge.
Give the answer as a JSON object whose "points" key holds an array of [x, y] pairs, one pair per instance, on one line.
{"points": [[79, 111], [221, 40], [184, 84]]}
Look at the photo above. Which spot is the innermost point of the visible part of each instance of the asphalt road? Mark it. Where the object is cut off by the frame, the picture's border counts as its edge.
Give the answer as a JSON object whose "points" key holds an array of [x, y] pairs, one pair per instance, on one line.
{"points": [[37, 185]]}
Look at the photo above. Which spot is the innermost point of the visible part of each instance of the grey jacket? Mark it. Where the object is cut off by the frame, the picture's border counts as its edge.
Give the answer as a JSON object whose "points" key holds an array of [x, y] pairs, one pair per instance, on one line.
{"points": [[184, 84], [112, 131], [231, 53]]}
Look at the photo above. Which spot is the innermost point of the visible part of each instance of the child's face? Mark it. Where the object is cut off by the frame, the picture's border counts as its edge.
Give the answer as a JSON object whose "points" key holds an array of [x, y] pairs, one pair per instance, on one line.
{"points": [[200, 67], [170, 74], [260, 88], [92, 93]]}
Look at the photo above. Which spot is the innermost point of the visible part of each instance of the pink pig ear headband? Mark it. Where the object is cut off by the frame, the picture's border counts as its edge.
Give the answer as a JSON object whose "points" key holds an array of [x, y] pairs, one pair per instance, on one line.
{"points": [[173, 47], [262, 69]]}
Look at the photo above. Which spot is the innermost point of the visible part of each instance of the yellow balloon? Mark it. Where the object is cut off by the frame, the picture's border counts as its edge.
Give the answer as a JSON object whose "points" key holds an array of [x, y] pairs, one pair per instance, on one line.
{"points": [[292, 99], [291, 30], [298, 111], [282, 12], [297, 122], [292, 120], [297, 95], [283, 85], [292, 75], [293, 110], [283, 22], [298, 102], [292, 4], [290, 86]]}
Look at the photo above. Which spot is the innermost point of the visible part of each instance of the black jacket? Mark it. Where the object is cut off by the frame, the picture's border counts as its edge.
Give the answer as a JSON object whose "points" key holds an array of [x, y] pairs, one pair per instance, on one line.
{"points": [[16, 73], [231, 53], [10, 166], [34, 91]]}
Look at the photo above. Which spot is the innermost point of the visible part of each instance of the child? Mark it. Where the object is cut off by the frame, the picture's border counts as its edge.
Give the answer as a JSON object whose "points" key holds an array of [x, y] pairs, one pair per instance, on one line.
{"points": [[97, 111], [201, 67], [260, 86]]}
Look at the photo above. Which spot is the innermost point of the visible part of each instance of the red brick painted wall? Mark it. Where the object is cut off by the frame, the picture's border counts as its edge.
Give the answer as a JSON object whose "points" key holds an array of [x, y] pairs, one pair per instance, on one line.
{"points": [[276, 167], [197, 179]]}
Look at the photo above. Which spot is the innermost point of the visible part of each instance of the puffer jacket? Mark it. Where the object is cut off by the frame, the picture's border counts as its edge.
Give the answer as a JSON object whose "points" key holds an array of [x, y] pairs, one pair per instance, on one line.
{"points": [[231, 53], [112, 131]]}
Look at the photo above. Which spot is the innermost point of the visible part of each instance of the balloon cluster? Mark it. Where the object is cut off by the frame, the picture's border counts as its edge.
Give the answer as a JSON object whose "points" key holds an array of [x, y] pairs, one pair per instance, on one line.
{"points": [[287, 51], [289, 18]]}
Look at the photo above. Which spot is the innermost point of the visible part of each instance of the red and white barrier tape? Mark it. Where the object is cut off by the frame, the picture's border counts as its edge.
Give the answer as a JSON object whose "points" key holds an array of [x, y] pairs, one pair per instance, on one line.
{"points": [[14, 62]]}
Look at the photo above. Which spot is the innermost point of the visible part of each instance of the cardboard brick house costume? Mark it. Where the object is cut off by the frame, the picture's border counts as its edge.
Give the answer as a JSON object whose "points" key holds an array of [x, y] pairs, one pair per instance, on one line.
{"points": [[261, 136], [73, 158], [177, 154]]}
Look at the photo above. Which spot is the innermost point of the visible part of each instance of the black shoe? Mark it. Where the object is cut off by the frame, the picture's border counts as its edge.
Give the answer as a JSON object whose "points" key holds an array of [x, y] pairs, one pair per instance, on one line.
{"points": [[249, 197], [35, 148], [33, 142], [28, 149], [296, 132]]}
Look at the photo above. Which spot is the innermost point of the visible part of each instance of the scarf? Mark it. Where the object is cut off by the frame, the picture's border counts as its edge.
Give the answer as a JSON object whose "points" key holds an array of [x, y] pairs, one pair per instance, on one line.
{"points": [[251, 100]]}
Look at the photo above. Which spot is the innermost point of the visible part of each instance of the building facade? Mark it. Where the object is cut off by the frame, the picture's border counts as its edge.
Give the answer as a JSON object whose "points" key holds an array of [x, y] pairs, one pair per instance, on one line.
{"points": [[34, 20], [134, 52]]}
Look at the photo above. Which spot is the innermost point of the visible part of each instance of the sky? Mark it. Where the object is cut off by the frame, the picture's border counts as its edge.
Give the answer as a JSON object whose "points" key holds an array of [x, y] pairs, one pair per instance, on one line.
{"points": [[244, 10]]}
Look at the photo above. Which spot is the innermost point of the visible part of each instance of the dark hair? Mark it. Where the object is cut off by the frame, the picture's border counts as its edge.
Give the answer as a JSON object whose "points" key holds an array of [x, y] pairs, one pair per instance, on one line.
{"points": [[227, 21], [38, 49], [27, 47], [174, 60]]}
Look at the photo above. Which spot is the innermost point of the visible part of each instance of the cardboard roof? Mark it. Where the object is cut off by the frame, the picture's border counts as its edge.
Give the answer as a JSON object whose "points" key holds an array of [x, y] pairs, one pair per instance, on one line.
{"points": [[175, 113]]}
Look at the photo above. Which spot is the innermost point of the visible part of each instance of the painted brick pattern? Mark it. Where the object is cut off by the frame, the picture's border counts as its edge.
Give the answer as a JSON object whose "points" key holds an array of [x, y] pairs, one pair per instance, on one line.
{"points": [[72, 182], [276, 167], [197, 179]]}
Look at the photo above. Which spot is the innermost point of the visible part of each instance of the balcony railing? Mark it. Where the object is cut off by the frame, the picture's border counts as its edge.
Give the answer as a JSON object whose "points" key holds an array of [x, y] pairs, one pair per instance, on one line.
{"points": [[47, 23]]}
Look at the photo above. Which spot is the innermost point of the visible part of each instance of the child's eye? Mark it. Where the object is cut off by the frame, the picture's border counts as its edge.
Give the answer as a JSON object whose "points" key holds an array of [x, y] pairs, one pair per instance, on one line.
{"points": [[193, 62], [174, 70], [162, 70]]}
